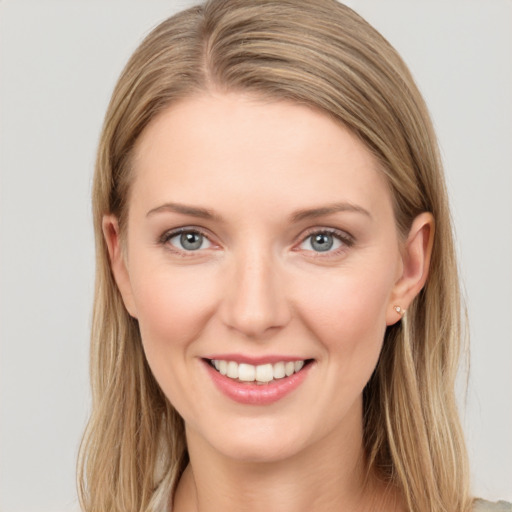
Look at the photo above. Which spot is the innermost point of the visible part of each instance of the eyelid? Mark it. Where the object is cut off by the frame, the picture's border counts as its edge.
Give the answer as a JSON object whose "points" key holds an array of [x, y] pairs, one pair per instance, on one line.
{"points": [[171, 233], [346, 239]]}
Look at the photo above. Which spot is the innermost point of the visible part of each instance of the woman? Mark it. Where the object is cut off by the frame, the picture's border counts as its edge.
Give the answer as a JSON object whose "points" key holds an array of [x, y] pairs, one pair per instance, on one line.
{"points": [[277, 314]]}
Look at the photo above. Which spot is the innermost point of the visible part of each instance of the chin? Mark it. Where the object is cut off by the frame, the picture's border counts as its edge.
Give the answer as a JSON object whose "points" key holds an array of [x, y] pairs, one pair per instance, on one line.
{"points": [[257, 442], [261, 451]]}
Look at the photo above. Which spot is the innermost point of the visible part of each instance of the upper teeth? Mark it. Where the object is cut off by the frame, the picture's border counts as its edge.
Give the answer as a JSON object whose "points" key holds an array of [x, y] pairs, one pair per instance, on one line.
{"points": [[259, 373]]}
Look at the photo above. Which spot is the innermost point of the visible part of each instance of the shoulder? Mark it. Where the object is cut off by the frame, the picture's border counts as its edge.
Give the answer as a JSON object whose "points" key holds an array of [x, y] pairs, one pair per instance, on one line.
{"points": [[488, 506]]}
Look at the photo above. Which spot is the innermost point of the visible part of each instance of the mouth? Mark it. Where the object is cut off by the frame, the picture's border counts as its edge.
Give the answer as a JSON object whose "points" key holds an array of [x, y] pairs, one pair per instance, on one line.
{"points": [[262, 374]]}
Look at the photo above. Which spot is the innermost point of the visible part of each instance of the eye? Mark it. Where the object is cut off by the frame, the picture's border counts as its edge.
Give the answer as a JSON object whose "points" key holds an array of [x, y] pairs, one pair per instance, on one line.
{"points": [[325, 241], [188, 240]]}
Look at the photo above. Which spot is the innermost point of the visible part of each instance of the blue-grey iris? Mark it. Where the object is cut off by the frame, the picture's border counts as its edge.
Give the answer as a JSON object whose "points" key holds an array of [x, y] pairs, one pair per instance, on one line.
{"points": [[191, 241], [322, 242]]}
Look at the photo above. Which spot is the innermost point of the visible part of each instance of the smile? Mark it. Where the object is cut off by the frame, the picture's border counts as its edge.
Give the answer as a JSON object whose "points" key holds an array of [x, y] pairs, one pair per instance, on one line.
{"points": [[257, 384], [261, 374]]}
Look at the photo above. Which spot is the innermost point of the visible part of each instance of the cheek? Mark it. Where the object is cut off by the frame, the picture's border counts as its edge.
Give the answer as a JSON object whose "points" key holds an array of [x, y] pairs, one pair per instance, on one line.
{"points": [[346, 310], [173, 305]]}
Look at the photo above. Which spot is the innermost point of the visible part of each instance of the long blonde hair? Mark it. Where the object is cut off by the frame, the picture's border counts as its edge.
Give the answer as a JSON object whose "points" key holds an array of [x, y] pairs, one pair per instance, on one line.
{"points": [[322, 54]]}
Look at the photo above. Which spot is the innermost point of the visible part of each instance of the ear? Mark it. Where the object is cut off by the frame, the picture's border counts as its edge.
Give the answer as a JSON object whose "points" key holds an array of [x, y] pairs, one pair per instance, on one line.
{"points": [[110, 226], [415, 266]]}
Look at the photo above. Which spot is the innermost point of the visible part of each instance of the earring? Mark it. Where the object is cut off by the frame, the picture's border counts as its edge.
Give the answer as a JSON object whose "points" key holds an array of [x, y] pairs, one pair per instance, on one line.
{"points": [[399, 310]]}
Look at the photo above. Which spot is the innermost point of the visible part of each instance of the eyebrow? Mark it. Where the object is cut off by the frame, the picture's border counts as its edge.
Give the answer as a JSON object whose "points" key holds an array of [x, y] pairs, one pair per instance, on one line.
{"points": [[194, 211], [299, 215], [327, 210]]}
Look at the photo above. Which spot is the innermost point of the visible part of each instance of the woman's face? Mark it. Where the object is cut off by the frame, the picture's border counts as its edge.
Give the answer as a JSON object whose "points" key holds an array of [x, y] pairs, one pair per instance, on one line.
{"points": [[259, 234]]}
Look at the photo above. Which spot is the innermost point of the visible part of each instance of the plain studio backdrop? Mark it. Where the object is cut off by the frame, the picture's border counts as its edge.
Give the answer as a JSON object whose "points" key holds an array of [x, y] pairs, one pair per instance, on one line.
{"points": [[58, 64]]}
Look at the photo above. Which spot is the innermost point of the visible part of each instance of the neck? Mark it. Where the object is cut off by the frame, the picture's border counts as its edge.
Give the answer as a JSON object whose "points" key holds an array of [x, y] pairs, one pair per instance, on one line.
{"points": [[327, 476]]}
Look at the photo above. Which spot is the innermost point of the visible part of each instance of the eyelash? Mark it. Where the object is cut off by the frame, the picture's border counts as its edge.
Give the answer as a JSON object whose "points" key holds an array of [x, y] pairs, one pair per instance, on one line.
{"points": [[168, 235], [346, 241]]}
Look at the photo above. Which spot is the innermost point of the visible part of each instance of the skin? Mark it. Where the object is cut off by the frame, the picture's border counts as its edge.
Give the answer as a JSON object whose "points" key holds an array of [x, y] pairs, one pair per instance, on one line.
{"points": [[257, 286]]}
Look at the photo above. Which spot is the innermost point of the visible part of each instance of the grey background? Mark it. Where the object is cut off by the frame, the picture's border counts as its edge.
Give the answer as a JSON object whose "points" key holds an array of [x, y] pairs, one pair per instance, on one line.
{"points": [[58, 64]]}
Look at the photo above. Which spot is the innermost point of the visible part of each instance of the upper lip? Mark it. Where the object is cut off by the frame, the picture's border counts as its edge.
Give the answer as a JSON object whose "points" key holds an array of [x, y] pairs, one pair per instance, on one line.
{"points": [[255, 360]]}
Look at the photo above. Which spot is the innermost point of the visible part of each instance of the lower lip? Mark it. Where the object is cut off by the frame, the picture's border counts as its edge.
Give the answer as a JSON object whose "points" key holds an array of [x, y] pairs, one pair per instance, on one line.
{"points": [[257, 394]]}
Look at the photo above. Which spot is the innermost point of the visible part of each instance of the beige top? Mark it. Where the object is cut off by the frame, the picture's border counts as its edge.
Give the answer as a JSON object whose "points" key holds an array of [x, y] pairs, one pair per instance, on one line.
{"points": [[487, 506]]}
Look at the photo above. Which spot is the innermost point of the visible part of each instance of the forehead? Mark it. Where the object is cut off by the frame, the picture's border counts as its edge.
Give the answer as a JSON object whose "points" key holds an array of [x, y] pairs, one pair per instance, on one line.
{"points": [[212, 147]]}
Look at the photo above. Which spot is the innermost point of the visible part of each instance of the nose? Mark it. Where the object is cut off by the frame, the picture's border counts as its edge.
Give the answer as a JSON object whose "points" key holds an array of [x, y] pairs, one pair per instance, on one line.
{"points": [[254, 302]]}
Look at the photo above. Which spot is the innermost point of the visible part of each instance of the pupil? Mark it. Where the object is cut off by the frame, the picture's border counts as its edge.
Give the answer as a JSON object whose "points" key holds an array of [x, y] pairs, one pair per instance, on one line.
{"points": [[322, 242], [191, 241]]}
